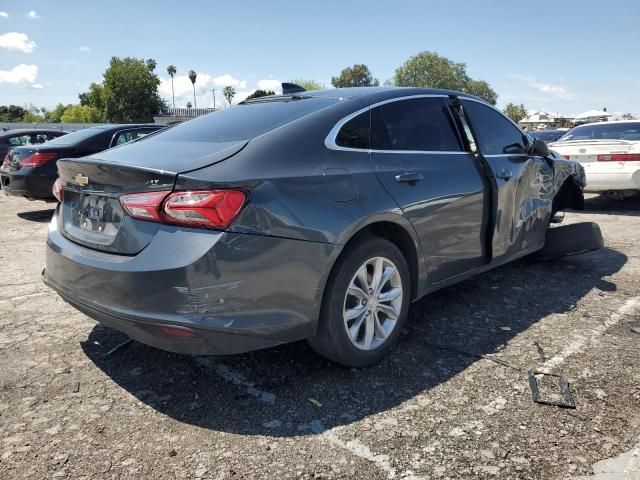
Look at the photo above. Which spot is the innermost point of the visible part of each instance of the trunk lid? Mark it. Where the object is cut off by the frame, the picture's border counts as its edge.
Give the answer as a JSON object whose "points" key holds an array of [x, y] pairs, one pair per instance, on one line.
{"points": [[91, 213], [586, 151]]}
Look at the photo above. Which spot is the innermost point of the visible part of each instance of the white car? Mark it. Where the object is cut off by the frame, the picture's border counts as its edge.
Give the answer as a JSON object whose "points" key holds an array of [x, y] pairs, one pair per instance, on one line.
{"points": [[609, 153]]}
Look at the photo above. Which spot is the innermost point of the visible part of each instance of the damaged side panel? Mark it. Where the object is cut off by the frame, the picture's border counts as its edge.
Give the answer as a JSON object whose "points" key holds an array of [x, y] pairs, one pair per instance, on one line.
{"points": [[207, 284], [538, 189]]}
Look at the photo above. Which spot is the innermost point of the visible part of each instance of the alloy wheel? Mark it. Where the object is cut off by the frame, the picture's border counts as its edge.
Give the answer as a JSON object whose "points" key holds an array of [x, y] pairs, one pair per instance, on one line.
{"points": [[373, 303]]}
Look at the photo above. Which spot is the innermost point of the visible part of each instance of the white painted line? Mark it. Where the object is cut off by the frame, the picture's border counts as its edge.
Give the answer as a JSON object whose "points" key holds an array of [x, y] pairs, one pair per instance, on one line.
{"points": [[359, 449], [580, 340], [22, 297]]}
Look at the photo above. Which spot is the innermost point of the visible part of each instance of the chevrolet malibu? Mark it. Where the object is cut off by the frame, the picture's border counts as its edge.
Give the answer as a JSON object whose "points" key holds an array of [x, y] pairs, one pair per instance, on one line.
{"points": [[317, 215]]}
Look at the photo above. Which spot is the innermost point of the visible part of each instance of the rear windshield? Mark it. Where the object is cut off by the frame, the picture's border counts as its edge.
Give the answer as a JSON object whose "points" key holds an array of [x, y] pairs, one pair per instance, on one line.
{"points": [[75, 137], [605, 131], [244, 121], [546, 136]]}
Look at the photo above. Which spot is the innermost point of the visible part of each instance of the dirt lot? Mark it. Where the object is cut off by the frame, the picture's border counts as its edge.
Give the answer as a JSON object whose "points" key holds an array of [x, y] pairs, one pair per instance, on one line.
{"points": [[432, 409]]}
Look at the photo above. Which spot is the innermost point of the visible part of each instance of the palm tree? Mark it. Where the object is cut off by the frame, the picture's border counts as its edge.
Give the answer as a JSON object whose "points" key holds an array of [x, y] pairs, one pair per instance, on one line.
{"points": [[229, 92], [171, 70], [192, 76]]}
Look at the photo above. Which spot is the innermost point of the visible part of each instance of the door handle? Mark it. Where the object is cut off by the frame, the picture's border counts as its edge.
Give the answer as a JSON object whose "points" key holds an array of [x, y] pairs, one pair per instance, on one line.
{"points": [[409, 177], [504, 174]]}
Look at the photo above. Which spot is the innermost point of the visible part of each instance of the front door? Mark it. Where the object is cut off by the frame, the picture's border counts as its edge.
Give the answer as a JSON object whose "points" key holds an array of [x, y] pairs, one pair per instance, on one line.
{"points": [[418, 156], [523, 182]]}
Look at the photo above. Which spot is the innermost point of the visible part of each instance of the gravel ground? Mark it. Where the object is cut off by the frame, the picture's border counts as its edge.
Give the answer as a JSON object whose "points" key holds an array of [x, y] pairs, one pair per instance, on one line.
{"points": [[453, 401]]}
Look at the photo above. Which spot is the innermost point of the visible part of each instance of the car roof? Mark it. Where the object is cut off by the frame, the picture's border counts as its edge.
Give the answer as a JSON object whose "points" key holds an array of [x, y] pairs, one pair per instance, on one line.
{"points": [[118, 126], [354, 92], [27, 131], [612, 122]]}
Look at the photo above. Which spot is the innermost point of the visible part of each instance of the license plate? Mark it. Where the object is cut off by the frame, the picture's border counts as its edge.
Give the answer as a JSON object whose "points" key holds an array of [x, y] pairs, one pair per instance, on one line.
{"points": [[90, 213]]}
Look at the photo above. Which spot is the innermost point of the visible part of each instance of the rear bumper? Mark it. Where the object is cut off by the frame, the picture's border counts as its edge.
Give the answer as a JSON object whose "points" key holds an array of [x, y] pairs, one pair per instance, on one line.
{"points": [[21, 184], [626, 178], [234, 292]]}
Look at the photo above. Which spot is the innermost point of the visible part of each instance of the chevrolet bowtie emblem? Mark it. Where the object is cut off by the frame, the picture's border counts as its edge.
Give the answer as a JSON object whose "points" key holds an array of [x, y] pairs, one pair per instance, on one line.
{"points": [[81, 179]]}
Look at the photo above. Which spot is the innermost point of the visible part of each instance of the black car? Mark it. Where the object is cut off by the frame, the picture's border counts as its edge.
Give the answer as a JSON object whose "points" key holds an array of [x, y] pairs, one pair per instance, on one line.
{"points": [[319, 215], [26, 136], [547, 136], [30, 171]]}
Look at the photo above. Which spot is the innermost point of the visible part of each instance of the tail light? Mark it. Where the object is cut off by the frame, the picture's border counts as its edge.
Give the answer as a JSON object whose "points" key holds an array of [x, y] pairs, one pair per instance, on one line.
{"points": [[58, 190], [38, 158], [620, 157], [202, 208]]}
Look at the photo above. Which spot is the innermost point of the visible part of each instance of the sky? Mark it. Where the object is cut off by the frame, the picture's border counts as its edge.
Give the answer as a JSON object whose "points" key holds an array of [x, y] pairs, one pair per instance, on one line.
{"points": [[563, 56]]}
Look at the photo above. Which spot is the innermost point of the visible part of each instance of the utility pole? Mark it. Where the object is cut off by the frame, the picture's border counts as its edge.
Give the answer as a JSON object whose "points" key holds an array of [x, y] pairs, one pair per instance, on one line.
{"points": [[213, 94]]}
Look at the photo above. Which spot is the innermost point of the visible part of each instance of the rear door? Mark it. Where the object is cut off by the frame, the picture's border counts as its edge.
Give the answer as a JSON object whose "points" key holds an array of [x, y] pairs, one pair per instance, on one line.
{"points": [[418, 156], [523, 183]]}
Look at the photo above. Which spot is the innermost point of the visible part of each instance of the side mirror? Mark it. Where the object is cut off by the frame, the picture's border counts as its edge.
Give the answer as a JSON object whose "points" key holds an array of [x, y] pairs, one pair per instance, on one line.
{"points": [[539, 148]]}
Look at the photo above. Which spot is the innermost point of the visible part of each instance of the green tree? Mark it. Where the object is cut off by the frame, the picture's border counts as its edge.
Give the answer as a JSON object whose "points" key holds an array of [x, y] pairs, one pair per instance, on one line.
{"points": [[94, 97], [515, 112], [307, 84], [131, 90], [81, 114], [355, 76], [480, 88], [55, 115], [11, 113], [189, 105], [193, 76], [430, 70], [32, 115], [229, 92], [260, 93], [171, 70]]}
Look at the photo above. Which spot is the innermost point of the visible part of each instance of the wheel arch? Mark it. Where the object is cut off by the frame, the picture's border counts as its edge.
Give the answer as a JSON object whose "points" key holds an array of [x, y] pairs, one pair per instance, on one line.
{"points": [[399, 231], [569, 195]]}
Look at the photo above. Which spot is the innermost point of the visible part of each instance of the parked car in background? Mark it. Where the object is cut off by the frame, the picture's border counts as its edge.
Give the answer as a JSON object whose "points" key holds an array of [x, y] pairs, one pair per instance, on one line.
{"points": [[547, 136], [609, 153], [26, 136], [30, 171], [317, 215]]}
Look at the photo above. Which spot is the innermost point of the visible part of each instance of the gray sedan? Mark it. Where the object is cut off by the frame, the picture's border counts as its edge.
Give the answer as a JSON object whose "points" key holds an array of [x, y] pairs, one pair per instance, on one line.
{"points": [[317, 215]]}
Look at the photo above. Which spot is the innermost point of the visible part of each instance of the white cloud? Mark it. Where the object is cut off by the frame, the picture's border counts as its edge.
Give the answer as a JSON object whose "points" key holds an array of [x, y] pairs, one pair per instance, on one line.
{"points": [[555, 90], [84, 49], [37, 85], [204, 84], [558, 91], [32, 14], [21, 74], [270, 84], [17, 41], [4, 14]]}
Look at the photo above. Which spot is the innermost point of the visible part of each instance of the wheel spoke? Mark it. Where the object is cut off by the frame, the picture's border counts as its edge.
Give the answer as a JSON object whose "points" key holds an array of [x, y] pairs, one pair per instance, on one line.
{"points": [[362, 277], [355, 328], [388, 310], [356, 291], [352, 313], [380, 329], [390, 295], [386, 275], [369, 330], [377, 274]]}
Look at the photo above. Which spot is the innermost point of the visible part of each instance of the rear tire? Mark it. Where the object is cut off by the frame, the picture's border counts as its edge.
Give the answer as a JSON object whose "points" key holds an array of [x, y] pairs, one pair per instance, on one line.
{"points": [[365, 304], [570, 240]]}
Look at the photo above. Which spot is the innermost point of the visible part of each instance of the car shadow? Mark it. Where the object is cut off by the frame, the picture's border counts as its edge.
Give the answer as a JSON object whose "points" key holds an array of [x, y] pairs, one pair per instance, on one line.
{"points": [[289, 390], [40, 216], [601, 204]]}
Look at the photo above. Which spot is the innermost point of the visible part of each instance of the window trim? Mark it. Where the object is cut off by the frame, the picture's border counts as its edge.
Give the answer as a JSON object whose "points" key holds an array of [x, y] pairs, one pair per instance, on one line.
{"points": [[330, 140], [496, 155]]}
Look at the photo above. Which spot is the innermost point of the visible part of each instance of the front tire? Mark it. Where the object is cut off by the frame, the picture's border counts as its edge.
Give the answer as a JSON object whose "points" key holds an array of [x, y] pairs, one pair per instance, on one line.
{"points": [[365, 304]]}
